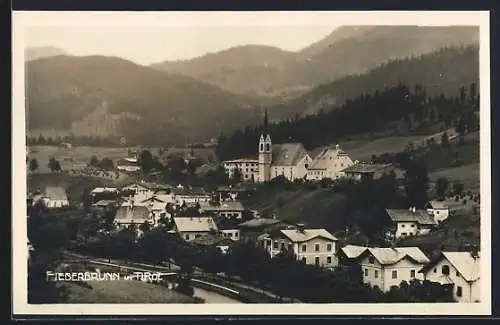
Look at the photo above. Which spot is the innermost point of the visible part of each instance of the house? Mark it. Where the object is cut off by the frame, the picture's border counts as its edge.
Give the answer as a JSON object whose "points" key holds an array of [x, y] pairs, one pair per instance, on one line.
{"points": [[205, 241], [329, 163], [55, 197], [438, 209], [129, 214], [228, 209], [128, 165], [157, 206], [248, 167], [103, 193], [388, 267], [191, 228], [288, 159], [363, 171], [190, 196], [459, 270], [138, 189], [411, 222], [311, 246]]}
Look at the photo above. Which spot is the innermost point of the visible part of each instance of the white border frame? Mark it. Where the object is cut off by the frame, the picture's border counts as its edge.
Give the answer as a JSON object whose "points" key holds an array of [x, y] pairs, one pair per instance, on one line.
{"points": [[22, 19]]}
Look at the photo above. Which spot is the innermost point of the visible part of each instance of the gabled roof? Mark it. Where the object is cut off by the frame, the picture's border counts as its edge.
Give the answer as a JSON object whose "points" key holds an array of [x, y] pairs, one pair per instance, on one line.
{"points": [[195, 224], [223, 206], [353, 251], [466, 265], [298, 236], [104, 203], [438, 205], [422, 217], [104, 189], [389, 256], [366, 168], [55, 193], [288, 154], [323, 159]]}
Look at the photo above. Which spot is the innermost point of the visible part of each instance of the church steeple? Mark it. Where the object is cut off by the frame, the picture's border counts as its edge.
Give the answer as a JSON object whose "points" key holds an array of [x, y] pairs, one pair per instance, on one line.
{"points": [[266, 122]]}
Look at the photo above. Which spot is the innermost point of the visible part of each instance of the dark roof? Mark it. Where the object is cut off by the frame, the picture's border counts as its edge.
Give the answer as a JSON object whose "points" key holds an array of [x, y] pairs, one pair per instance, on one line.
{"points": [[288, 154], [257, 223], [190, 191], [365, 168], [402, 215]]}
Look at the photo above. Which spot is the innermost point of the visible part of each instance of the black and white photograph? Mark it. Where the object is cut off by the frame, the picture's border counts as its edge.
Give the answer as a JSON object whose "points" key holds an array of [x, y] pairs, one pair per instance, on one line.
{"points": [[251, 163]]}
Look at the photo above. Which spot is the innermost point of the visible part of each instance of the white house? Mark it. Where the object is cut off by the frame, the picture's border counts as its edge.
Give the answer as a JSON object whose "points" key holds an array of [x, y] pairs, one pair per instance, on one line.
{"points": [[329, 163], [190, 196], [248, 167], [439, 210], [128, 214], [410, 222], [387, 267], [128, 165], [190, 228], [138, 189], [233, 234], [311, 246], [461, 270], [227, 209], [55, 197]]}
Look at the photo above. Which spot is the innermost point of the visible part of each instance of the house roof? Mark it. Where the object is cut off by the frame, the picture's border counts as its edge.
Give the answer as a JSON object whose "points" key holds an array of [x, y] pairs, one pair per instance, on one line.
{"points": [[365, 168], [420, 216], [321, 161], [212, 240], [224, 206], [288, 154], [190, 191], [353, 251], [104, 203], [252, 160], [389, 255], [466, 265], [256, 223], [104, 189], [132, 213], [438, 205], [195, 224], [298, 236], [125, 162], [55, 193]]}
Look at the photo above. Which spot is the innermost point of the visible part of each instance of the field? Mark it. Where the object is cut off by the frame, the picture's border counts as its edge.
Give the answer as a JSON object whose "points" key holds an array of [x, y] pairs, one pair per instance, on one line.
{"points": [[466, 174], [314, 207], [79, 157], [123, 291], [74, 185]]}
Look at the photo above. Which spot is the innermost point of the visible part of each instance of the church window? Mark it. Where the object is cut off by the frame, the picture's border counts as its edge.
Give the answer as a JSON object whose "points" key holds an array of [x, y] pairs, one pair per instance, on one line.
{"points": [[267, 146], [261, 147]]}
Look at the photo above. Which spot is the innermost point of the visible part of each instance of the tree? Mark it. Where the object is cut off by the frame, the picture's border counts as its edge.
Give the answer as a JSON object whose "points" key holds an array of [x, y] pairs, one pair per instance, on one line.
{"points": [[146, 161], [106, 164], [442, 185], [54, 165], [458, 188], [33, 165], [416, 183], [94, 161]]}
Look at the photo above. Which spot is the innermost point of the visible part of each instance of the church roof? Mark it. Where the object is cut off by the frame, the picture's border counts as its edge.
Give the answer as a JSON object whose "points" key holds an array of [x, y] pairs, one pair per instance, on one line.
{"points": [[323, 159], [288, 154]]}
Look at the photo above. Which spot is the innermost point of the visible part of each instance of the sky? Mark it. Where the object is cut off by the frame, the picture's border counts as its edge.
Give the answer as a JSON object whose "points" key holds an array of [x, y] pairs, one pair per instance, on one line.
{"points": [[152, 44]]}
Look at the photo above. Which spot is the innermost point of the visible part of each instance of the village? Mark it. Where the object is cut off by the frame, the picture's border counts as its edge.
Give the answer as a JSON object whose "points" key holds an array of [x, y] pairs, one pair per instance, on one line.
{"points": [[217, 218]]}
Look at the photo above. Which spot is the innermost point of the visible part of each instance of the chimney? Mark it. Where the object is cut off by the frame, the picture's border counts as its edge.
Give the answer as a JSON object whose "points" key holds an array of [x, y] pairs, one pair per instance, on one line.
{"points": [[300, 227]]}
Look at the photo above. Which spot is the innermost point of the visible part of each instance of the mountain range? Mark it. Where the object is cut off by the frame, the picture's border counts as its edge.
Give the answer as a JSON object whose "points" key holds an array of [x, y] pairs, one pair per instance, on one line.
{"points": [[218, 92]]}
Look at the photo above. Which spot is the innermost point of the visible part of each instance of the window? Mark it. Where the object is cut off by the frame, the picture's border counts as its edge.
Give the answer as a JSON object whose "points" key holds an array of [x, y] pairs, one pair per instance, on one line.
{"points": [[275, 244], [282, 246], [329, 247], [458, 274], [187, 236], [371, 260], [197, 236], [316, 248], [403, 234], [413, 226], [304, 248], [402, 226], [445, 270], [267, 146], [329, 260], [394, 274], [316, 260], [235, 234], [304, 260], [435, 270], [412, 273], [230, 234], [376, 274], [366, 272], [459, 291]]}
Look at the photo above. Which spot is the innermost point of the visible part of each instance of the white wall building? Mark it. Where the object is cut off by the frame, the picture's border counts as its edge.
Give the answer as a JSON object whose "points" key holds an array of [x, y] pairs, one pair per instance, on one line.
{"points": [[461, 270], [410, 222], [329, 163], [439, 210]]}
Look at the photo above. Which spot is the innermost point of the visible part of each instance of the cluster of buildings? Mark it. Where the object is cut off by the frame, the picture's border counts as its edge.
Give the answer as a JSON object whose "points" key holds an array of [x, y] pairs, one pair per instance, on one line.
{"points": [[292, 161]]}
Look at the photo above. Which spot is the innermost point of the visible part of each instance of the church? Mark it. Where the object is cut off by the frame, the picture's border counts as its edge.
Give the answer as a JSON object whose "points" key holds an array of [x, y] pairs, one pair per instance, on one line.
{"points": [[288, 159]]}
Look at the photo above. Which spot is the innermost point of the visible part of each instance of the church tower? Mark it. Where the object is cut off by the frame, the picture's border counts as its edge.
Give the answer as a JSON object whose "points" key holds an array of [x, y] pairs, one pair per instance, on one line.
{"points": [[265, 153]]}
